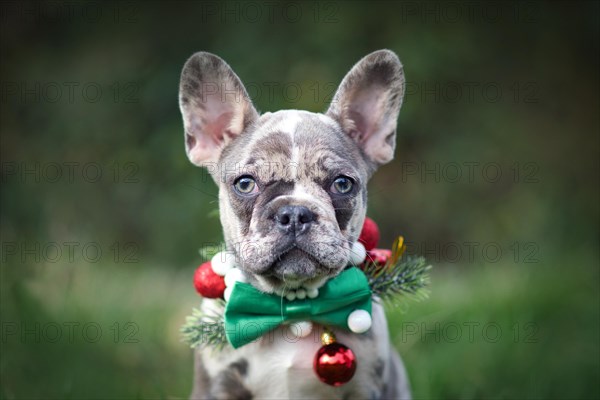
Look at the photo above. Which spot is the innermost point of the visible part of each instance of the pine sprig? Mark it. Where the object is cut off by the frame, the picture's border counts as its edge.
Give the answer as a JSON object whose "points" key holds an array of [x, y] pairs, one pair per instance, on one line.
{"points": [[401, 275], [406, 276], [204, 329]]}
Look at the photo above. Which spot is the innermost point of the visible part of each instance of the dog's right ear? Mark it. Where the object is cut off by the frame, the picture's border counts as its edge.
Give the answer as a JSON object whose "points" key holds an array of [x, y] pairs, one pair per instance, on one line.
{"points": [[215, 107]]}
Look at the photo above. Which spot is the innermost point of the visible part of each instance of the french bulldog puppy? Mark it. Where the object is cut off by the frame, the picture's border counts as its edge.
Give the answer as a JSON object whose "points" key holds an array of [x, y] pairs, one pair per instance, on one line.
{"points": [[292, 201]]}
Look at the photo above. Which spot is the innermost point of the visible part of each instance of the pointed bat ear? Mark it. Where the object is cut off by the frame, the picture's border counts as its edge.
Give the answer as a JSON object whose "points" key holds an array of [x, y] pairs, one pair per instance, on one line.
{"points": [[215, 107], [367, 104]]}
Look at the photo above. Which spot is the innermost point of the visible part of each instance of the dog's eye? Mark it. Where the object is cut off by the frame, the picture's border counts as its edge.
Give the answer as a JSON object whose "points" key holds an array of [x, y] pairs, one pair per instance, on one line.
{"points": [[245, 185], [342, 185]]}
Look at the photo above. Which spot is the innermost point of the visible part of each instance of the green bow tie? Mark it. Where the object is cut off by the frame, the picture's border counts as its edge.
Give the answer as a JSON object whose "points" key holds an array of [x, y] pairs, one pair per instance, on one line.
{"points": [[249, 313]]}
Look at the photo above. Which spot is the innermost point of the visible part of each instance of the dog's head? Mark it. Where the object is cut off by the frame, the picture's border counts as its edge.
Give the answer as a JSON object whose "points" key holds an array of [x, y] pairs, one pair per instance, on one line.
{"points": [[292, 184]]}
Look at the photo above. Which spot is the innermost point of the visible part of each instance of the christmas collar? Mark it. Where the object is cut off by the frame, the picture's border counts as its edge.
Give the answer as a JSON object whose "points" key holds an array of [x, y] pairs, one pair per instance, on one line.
{"points": [[343, 302]]}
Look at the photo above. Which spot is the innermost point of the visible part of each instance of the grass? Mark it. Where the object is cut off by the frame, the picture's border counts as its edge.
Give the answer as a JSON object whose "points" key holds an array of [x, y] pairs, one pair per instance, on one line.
{"points": [[493, 332], [503, 332]]}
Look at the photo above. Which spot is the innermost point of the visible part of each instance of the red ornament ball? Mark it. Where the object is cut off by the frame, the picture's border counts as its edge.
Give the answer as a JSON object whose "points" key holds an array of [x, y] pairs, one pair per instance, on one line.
{"points": [[379, 256], [335, 364], [369, 235], [207, 283]]}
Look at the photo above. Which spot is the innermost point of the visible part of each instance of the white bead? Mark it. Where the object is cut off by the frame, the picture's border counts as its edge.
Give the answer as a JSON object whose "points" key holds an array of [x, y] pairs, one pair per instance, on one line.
{"points": [[359, 321], [222, 262], [358, 253], [312, 293], [300, 294], [227, 293], [301, 329], [234, 275], [291, 296]]}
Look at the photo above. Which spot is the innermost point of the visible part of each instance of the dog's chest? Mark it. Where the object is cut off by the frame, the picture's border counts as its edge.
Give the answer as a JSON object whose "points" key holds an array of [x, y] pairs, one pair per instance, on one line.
{"points": [[280, 365]]}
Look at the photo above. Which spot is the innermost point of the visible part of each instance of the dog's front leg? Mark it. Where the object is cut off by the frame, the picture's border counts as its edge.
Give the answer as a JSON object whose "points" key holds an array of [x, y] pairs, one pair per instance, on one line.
{"points": [[201, 379], [227, 384], [397, 385]]}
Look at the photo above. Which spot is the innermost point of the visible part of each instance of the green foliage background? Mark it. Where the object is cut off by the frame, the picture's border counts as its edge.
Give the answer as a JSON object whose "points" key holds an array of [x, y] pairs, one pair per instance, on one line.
{"points": [[522, 323]]}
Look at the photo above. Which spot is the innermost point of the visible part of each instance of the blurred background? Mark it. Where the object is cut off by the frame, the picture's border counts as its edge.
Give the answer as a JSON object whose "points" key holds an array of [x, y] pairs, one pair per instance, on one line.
{"points": [[495, 182]]}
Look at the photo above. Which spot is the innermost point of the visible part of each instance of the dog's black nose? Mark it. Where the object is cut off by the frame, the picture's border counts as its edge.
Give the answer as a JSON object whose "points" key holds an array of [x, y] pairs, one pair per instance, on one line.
{"points": [[294, 219]]}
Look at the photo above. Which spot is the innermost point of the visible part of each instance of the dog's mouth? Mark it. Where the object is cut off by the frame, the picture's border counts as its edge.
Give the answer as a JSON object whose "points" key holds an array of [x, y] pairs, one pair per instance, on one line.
{"points": [[294, 268], [294, 262]]}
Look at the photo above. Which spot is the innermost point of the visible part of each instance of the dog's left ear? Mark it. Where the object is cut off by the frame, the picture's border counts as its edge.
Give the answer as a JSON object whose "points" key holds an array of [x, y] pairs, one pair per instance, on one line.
{"points": [[367, 104]]}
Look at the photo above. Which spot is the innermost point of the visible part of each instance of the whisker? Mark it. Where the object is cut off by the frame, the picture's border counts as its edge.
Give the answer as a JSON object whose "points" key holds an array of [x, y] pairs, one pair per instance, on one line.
{"points": [[281, 298], [201, 191]]}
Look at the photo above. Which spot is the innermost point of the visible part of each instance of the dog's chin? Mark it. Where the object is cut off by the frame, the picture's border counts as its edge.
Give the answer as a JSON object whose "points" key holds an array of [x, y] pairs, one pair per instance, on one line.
{"points": [[293, 269]]}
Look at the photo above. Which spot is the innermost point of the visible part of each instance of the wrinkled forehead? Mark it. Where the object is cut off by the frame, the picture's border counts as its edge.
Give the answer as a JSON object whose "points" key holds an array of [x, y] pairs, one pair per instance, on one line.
{"points": [[292, 145]]}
